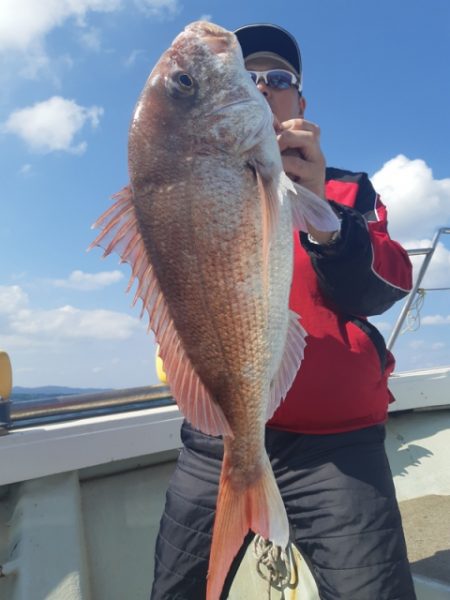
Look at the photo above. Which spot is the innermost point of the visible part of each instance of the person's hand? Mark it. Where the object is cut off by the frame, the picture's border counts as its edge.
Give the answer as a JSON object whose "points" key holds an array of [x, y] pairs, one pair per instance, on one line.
{"points": [[303, 160]]}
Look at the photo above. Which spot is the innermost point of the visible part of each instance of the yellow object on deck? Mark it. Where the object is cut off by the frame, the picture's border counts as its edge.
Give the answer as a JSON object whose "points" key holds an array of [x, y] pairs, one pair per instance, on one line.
{"points": [[5, 375], [160, 367]]}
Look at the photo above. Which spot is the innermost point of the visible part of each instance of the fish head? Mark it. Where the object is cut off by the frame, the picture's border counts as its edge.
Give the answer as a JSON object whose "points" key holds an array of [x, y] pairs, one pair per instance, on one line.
{"points": [[198, 99]]}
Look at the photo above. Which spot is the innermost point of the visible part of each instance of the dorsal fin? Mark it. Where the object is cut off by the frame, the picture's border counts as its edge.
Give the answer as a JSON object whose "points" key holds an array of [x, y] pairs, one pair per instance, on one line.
{"points": [[120, 233]]}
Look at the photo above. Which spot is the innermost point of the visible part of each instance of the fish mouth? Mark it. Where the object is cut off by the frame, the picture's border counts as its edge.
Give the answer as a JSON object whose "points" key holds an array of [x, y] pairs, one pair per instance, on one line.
{"points": [[261, 129], [224, 107]]}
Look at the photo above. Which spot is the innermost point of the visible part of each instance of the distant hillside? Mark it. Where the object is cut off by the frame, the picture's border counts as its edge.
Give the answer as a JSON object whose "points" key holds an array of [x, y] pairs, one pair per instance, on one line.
{"points": [[25, 393]]}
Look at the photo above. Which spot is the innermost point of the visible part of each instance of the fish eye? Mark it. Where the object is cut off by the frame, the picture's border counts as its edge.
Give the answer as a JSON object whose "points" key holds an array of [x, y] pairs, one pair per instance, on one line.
{"points": [[181, 85], [185, 80]]}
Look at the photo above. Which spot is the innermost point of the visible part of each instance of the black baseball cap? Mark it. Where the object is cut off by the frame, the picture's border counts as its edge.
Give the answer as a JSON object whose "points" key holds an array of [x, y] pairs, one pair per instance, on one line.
{"points": [[265, 37]]}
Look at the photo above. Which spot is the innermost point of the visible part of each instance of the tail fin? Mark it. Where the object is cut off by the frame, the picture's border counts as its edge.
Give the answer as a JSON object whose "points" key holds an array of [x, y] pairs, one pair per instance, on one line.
{"points": [[258, 507]]}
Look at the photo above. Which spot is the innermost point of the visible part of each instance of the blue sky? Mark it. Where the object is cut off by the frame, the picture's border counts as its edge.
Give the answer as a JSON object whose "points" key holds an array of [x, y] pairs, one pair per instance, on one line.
{"points": [[377, 81]]}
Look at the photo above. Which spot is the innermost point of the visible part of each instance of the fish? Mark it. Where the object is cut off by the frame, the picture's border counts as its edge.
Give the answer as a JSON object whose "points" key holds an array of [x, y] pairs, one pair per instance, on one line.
{"points": [[207, 224]]}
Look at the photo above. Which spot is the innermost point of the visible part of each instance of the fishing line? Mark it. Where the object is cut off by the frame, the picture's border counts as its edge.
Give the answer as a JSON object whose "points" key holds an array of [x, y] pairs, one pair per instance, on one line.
{"points": [[413, 315], [276, 566]]}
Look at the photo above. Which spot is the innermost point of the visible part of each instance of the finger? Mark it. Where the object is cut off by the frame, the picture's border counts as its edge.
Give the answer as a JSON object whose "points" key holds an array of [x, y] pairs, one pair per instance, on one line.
{"points": [[295, 167], [276, 124], [300, 124], [296, 139]]}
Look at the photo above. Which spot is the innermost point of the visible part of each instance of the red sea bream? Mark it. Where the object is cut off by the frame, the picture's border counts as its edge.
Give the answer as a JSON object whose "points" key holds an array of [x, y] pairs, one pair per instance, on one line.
{"points": [[206, 224]]}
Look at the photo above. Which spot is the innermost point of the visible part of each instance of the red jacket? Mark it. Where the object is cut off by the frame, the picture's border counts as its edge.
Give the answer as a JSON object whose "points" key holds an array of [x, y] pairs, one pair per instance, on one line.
{"points": [[342, 382]]}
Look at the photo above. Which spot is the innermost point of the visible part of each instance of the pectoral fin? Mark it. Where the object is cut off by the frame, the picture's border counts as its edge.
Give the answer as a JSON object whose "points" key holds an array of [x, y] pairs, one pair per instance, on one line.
{"points": [[269, 198], [294, 350], [309, 208]]}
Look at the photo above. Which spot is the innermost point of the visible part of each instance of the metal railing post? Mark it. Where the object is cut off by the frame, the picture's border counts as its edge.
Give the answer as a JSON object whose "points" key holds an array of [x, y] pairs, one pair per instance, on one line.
{"points": [[424, 266]]}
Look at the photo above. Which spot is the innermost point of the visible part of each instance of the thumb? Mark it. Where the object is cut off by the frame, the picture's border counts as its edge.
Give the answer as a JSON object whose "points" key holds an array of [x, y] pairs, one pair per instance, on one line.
{"points": [[277, 125]]}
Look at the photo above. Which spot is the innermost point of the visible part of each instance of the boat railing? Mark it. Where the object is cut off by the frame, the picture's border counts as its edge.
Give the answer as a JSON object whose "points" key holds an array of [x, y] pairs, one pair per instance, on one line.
{"points": [[76, 406], [428, 253], [14, 415]]}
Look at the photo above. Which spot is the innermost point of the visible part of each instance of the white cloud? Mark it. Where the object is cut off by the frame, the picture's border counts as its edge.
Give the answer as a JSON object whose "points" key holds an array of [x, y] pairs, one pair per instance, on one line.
{"points": [[205, 17], [417, 203], [25, 23], [91, 39], [12, 299], [70, 322], [78, 280], [38, 64], [383, 326], [417, 206], [19, 276], [22, 325], [438, 271], [22, 370], [52, 125], [25, 169], [436, 320], [16, 341], [438, 345], [62, 345], [417, 344], [158, 8], [132, 58]]}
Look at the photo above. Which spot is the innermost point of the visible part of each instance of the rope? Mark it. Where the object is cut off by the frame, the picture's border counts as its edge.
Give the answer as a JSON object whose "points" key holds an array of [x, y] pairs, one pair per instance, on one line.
{"points": [[275, 565], [413, 316]]}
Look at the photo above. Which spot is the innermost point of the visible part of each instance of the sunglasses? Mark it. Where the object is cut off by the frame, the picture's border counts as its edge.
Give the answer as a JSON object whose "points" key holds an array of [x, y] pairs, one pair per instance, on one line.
{"points": [[278, 79]]}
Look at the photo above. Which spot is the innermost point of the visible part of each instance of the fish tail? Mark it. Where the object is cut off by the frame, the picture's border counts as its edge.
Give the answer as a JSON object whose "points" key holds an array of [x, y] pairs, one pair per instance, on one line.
{"points": [[258, 507]]}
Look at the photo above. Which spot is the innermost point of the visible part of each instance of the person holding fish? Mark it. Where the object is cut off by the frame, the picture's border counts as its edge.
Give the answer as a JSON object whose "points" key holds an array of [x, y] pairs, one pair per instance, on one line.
{"points": [[258, 266]]}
